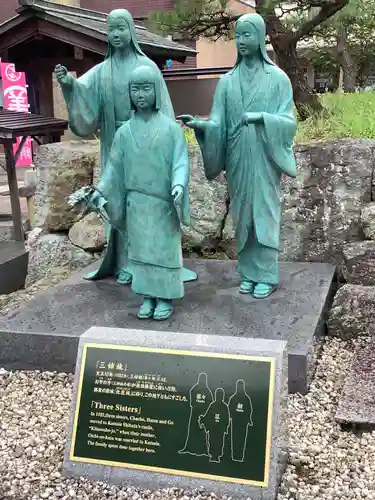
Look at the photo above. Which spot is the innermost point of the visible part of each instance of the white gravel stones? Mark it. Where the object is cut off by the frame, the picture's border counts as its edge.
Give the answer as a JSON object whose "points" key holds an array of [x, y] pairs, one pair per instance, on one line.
{"points": [[326, 463]]}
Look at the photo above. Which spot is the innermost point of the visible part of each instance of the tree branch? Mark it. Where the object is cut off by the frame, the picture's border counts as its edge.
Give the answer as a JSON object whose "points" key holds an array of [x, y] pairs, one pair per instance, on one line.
{"points": [[327, 10]]}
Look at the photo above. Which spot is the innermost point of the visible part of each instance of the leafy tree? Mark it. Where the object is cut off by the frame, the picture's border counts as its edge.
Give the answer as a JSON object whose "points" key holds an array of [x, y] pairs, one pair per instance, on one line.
{"points": [[346, 41], [213, 19]]}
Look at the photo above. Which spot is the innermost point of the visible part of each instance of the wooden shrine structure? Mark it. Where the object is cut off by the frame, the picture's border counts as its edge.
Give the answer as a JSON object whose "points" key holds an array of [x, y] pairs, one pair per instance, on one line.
{"points": [[43, 34], [13, 125]]}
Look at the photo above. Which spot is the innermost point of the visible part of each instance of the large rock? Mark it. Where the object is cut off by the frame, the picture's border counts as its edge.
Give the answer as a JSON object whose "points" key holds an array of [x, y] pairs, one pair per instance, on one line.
{"points": [[208, 206], [48, 251], [352, 312], [359, 263], [368, 221], [88, 233], [325, 209], [62, 168], [322, 206]]}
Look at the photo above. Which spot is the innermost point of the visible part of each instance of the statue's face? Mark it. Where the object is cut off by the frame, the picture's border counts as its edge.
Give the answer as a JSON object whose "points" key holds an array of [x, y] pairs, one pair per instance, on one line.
{"points": [[246, 39], [118, 32], [143, 94]]}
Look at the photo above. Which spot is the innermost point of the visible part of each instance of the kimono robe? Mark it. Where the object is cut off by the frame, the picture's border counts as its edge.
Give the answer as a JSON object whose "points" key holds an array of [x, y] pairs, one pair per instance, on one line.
{"points": [[144, 172], [254, 158], [92, 104]]}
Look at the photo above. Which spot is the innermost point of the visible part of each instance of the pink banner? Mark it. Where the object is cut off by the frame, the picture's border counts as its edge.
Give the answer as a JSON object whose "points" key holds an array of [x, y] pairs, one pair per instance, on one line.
{"points": [[15, 99]]}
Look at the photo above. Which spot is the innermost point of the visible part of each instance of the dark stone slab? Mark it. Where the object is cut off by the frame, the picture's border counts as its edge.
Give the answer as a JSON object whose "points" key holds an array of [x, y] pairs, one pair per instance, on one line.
{"points": [[14, 260], [295, 313], [357, 401]]}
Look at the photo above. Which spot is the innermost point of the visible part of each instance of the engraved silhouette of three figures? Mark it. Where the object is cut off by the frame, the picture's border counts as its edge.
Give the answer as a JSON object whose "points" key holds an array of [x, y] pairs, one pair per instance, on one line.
{"points": [[211, 419]]}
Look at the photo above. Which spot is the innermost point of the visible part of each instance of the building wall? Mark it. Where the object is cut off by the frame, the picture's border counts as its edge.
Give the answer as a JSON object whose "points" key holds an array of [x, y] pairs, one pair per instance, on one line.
{"points": [[221, 53], [7, 9]]}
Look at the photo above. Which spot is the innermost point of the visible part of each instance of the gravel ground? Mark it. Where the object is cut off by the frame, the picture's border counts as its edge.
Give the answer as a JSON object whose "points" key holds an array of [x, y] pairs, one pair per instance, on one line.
{"points": [[326, 462]]}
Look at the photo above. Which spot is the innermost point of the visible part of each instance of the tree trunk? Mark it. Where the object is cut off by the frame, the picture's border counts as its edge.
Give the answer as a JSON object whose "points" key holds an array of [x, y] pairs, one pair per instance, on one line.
{"points": [[285, 47], [305, 99], [347, 62]]}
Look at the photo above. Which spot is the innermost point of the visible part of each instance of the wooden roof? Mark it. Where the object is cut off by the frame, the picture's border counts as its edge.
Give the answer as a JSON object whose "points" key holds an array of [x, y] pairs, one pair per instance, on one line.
{"points": [[14, 124], [85, 23]]}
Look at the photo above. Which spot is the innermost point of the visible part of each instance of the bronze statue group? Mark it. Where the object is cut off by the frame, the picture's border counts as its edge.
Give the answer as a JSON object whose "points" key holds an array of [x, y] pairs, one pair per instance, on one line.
{"points": [[144, 179]]}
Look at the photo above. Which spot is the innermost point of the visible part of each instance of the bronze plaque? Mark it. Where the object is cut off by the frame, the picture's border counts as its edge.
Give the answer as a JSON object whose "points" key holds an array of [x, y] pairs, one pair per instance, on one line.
{"points": [[197, 414]]}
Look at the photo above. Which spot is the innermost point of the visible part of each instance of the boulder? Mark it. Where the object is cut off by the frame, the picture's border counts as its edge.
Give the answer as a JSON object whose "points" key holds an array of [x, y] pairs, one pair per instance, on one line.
{"points": [[325, 210], [368, 221], [88, 233], [359, 263], [352, 313], [208, 206], [322, 207], [49, 251], [62, 168]]}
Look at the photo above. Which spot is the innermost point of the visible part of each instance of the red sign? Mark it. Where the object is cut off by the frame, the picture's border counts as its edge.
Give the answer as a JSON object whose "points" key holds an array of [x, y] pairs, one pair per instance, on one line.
{"points": [[15, 99]]}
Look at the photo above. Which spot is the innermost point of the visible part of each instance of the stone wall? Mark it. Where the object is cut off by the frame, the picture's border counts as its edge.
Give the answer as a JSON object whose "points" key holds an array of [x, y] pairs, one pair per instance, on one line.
{"points": [[328, 214], [328, 210]]}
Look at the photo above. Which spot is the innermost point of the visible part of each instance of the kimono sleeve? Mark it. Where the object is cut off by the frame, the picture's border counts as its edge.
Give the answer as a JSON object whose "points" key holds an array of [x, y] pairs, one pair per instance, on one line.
{"points": [[181, 169], [213, 139], [111, 184], [82, 99], [280, 127]]}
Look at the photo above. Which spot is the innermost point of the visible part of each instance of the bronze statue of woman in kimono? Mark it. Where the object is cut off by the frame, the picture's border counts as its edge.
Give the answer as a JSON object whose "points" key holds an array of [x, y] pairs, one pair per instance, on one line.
{"points": [[100, 100], [249, 134], [149, 165]]}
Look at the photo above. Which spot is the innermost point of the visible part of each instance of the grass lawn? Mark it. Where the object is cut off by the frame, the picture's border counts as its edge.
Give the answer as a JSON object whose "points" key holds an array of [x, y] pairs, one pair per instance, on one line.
{"points": [[346, 115]]}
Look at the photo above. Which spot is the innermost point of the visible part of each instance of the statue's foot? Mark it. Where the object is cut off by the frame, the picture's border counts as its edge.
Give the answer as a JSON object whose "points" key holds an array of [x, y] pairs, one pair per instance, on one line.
{"points": [[124, 278], [263, 290], [164, 310], [247, 286], [147, 309]]}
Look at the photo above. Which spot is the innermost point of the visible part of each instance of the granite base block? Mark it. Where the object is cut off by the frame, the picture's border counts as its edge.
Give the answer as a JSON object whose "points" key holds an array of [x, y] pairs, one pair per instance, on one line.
{"points": [[125, 476], [296, 313]]}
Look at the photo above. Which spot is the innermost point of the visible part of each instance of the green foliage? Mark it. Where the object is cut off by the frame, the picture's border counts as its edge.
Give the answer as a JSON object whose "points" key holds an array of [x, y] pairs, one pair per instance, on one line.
{"points": [[357, 19], [194, 18], [345, 115], [190, 136]]}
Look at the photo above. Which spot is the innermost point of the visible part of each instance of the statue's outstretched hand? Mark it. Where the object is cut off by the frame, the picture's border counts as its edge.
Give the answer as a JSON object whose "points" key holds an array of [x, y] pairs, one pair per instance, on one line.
{"points": [[62, 75], [177, 193], [96, 201], [191, 122]]}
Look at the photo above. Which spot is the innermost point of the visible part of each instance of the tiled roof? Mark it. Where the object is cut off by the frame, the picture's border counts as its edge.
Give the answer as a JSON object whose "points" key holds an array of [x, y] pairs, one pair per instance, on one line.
{"points": [[95, 22]]}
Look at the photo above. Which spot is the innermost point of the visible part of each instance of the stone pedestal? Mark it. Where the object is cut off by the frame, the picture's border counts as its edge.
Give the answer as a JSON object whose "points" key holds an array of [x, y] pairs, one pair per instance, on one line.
{"points": [[212, 305], [138, 423]]}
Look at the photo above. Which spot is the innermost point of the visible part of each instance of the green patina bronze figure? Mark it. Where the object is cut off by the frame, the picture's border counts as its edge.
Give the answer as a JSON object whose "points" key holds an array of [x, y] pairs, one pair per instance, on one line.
{"points": [[250, 134], [100, 100], [149, 165]]}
